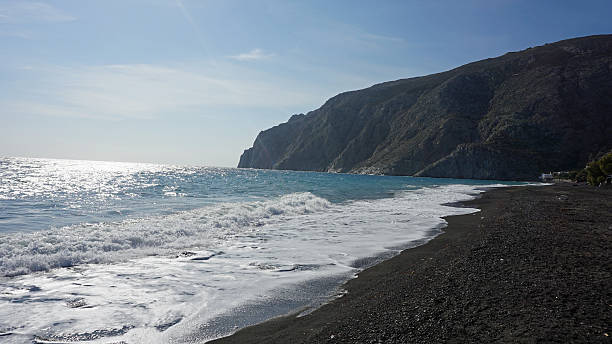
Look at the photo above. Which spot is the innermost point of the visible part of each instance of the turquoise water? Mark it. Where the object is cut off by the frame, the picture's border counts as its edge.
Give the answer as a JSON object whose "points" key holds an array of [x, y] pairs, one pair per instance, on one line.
{"points": [[37, 194], [160, 253]]}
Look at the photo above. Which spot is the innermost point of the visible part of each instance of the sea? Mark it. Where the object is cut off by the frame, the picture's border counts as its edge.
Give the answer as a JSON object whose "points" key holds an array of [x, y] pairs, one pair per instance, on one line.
{"points": [[113, 252]]}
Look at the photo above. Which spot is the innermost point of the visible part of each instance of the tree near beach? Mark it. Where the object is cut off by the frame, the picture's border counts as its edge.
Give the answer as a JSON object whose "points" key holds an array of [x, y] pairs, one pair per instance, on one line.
{"points": [[598, 170]]}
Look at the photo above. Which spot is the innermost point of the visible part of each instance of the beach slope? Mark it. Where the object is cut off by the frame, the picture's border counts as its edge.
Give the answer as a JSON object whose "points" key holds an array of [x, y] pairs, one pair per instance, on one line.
{"points": [[532, 266]]}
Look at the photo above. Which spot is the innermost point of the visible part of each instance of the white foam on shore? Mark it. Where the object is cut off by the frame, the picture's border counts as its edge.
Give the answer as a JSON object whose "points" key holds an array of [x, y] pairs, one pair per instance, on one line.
{"points": [[23, 253], [165, 278]]}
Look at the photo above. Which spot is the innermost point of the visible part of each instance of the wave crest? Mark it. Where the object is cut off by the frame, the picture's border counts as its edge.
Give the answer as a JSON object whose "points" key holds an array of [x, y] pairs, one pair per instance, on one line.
{"points": [[22, 253]]}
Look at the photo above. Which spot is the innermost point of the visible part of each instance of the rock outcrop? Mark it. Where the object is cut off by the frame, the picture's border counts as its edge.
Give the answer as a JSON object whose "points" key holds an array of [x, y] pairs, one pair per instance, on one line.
{"points": [[510, 117]]}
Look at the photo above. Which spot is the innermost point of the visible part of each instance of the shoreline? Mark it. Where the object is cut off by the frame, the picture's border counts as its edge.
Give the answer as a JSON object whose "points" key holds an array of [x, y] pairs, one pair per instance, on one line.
{"points": [[510, 272]]}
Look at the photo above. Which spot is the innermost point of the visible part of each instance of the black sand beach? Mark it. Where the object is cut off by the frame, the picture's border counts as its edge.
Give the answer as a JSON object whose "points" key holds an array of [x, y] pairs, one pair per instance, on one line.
{"points": [[532, 266]]}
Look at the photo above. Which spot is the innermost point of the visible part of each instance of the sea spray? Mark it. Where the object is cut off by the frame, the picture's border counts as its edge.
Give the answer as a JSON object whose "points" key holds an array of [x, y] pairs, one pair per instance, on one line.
{"points": [[228, 244]]}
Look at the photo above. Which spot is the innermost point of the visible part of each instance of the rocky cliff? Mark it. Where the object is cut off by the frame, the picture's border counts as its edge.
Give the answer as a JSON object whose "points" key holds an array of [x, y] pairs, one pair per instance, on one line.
{"points": [[510, 117]]}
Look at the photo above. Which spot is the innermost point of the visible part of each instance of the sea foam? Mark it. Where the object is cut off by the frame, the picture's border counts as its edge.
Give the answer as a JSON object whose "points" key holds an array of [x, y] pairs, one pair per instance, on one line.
{"points": [[22, 253], [102, 252], [185, 277]]}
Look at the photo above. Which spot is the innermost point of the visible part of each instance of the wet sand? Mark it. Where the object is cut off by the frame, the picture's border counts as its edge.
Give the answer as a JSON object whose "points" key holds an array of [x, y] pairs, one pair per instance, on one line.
{"points": [[533, 266]]}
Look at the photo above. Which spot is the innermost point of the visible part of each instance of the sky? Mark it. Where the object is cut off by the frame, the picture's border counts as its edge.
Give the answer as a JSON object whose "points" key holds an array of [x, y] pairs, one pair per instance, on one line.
{"points": [[194, 82]]}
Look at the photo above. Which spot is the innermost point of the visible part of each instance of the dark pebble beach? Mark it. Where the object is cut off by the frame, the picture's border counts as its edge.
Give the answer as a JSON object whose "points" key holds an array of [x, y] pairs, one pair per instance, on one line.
{"points": [[533, 266]]}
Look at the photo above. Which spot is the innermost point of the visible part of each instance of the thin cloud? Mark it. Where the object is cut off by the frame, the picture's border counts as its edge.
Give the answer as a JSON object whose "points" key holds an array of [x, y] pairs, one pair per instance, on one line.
{"points": [[30, 11], [255, 54], [186, 15], [384, 38], [145, 91], [192, 23], [16, 34]]}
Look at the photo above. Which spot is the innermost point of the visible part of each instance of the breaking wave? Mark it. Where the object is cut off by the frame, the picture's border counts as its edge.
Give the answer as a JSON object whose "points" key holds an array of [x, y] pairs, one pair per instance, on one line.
{"points": [[23, 253]]}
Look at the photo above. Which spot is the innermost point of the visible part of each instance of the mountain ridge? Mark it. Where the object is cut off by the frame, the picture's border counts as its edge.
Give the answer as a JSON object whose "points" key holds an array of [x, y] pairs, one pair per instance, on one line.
{"points": [[508, 117]]}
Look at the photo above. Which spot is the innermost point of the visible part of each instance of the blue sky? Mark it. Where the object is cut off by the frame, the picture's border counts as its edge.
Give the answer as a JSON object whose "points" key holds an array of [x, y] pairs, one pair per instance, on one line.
{"points": [[193, 82]]}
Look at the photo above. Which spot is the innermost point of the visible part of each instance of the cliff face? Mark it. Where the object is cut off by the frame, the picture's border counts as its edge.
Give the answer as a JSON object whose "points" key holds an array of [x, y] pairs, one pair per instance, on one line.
{"points": [[510, 117]]}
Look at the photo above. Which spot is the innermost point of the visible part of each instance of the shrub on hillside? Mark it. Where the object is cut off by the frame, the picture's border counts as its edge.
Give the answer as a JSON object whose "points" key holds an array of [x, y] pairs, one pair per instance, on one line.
{"points": [[605, 164], [597, 171], [580, 175]]}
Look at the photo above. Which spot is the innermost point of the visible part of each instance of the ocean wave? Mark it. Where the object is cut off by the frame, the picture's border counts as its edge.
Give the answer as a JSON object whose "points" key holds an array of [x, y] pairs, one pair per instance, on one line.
{"points": [[23, 253], [208, 262]]}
